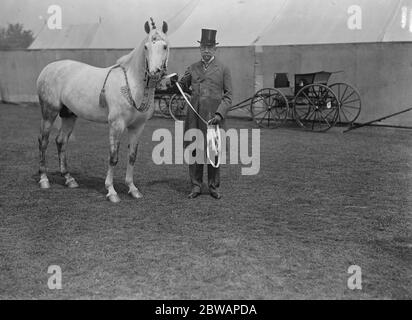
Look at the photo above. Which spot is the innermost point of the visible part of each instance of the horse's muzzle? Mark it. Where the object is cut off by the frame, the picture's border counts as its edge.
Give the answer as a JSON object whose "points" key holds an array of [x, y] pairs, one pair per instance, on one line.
{"points": [[158, 74]]}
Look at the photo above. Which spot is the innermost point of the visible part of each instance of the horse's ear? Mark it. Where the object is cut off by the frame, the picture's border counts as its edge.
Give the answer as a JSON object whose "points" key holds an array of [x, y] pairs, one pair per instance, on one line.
{"points": [[147, 27], [165, 27]]}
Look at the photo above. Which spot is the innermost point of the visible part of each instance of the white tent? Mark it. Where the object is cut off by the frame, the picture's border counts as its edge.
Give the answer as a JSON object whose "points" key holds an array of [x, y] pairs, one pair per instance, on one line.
{"points": [[122, 28], [238, 22], [400, 28], [127, 31], [70, 37], [241, 23], [337, 21], [290, 22]]}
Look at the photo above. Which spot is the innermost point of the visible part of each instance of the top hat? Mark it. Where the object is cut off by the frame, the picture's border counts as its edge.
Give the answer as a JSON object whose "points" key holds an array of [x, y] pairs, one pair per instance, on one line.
{"points": [[208, 37]]}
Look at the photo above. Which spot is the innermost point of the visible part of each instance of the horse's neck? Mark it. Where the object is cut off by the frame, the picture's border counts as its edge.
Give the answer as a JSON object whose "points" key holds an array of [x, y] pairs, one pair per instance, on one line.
{"points": [[134, 63]]}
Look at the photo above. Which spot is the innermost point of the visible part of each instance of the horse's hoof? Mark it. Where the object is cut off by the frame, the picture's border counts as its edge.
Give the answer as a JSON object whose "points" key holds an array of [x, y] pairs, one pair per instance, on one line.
{"points": [[135, 194], [44, 184], [72, 184], [113, 198]]}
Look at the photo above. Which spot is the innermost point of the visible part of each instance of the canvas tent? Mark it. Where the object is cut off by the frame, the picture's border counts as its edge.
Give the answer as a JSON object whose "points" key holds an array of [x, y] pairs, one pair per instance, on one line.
{"points": [[114, 32], [122, 29], [329, 21], [295, 22], [70, 37], [400, 27], [258, 38], [241, 23]]}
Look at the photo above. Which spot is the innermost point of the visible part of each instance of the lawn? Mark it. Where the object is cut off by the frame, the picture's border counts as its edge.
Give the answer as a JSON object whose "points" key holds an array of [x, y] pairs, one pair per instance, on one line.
{"points": [[320, 203]]}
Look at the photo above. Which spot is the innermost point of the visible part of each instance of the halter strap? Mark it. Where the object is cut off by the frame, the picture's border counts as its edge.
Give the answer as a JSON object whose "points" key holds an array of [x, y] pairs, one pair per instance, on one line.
{"points": [[126, 90], [150, 85]]}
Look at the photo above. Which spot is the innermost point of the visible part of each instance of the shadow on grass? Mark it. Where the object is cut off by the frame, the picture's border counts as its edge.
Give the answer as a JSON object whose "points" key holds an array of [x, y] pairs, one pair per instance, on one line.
{"points": [[179, 185], [98, 184], [85, 182]]}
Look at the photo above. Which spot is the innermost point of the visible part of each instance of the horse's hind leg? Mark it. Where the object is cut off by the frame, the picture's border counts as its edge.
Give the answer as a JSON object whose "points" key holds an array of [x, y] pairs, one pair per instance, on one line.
{"points": [[48, 117], [62, 139]]}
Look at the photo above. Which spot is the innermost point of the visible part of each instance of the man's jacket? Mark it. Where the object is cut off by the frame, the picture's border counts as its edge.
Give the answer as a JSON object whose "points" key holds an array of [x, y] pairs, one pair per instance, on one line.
{"points": [[211, 92]]}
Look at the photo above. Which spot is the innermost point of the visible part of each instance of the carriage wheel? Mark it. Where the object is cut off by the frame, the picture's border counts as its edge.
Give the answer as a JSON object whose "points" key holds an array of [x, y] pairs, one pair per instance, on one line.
{"points": [[350, 102], [316, 108], [164, 107], [178, 107], [269, 108]]}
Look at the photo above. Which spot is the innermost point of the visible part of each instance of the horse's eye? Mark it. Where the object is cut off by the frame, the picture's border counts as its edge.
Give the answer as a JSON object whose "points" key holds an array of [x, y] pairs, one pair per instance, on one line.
{"points": [[145, 47], [165, 46]]}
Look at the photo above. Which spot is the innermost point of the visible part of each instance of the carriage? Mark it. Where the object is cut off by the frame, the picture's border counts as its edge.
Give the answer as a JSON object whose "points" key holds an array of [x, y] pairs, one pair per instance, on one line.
{"points": [[312, 103], [170, 102]]}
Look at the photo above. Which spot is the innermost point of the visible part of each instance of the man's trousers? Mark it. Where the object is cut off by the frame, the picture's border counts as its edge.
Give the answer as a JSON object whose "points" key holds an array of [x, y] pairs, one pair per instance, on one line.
{"points": [[196, 177]]}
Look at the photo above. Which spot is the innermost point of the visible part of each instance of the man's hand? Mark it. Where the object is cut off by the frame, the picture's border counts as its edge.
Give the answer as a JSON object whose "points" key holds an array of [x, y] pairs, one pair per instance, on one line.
{"points": [[217, 119], [174, 79]]}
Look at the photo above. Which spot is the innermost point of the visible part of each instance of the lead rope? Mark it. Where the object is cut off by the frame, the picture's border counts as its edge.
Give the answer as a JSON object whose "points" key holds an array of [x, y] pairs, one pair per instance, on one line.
{"points": [[215, 141], [213, 138], [190, 105]]}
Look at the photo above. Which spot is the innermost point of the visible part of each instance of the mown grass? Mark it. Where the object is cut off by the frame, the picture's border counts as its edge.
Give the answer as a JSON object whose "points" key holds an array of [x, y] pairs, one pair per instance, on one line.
{"points": [[320, 203]]}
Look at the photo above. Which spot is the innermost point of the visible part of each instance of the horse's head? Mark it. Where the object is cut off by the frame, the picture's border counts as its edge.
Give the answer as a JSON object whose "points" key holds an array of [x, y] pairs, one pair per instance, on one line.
{"points": [[156, 49]]}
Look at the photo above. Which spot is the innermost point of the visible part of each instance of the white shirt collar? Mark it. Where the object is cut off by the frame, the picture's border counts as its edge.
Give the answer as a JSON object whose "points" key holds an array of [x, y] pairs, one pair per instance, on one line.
{"points": [[209, 62]]}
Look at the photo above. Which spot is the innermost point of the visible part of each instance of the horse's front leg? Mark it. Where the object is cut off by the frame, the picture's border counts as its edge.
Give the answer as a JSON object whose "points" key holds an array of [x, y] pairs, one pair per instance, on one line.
{"points": [[134, 135], [116, 129]]}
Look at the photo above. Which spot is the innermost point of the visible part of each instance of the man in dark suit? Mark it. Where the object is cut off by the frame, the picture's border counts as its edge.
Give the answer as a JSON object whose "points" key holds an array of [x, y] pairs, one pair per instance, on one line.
{"points": [[211, 85]]}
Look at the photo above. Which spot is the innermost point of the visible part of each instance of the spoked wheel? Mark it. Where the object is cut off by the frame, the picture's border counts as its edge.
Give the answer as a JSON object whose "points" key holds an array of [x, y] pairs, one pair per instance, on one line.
{"points": [[316, 108], [178, 106], [164, 107], [269, 108], [350, 102]]}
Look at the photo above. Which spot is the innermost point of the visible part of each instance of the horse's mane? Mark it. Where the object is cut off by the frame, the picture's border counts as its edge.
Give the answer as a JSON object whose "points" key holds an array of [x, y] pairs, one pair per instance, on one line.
{"points": [[124, 61]]}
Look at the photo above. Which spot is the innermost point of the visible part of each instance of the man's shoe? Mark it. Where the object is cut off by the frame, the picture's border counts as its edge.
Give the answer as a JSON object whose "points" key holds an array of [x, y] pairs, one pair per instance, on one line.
{"points": [[194, 194], [215, 194]]}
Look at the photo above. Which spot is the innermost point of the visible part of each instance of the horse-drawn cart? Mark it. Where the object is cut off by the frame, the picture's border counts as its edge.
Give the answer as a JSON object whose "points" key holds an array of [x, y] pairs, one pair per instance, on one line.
{"points": [[170, 103], [312, 102]]}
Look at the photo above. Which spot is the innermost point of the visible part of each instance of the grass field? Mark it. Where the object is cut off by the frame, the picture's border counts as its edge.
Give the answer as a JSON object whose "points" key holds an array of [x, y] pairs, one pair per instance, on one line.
{"points": [[321, 203]]}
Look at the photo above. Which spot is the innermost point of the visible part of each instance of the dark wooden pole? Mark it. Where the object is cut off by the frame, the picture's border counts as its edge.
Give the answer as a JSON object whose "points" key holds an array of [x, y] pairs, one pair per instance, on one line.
{"points": [[357, 126]]}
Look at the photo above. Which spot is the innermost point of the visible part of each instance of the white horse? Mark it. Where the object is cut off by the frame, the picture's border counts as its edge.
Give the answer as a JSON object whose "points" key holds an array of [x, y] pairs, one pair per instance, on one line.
{"points": [[121, 95]]}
